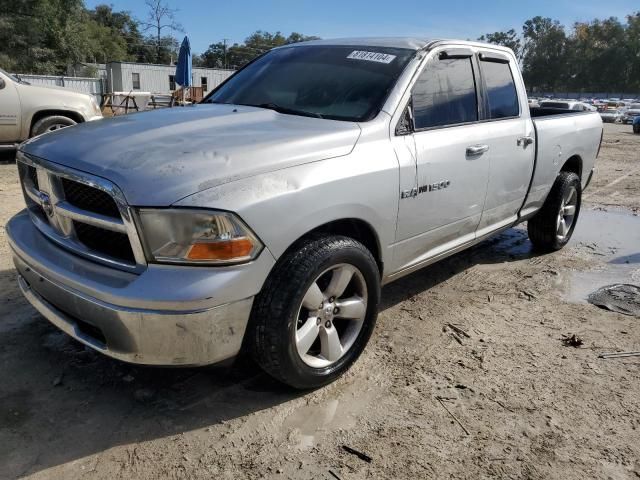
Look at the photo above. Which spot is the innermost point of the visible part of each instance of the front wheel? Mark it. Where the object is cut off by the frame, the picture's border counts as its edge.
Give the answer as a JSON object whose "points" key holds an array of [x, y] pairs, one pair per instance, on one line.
{"points": [[636, 129], [51, 124], [316, 312], [551, 228]]}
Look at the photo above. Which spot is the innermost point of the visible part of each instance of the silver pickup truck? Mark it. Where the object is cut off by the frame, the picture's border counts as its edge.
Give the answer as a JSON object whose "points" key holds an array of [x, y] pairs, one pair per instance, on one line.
{"points": [[268, 216]]}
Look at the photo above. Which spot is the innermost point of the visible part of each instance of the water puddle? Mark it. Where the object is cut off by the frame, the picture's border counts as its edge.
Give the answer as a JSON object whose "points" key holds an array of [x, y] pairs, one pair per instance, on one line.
{"points": [[614, 237]]}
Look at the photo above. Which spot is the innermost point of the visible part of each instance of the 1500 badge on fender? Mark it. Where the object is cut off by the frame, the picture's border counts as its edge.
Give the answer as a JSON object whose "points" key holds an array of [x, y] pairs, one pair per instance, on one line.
{"points": [[425, 188]]}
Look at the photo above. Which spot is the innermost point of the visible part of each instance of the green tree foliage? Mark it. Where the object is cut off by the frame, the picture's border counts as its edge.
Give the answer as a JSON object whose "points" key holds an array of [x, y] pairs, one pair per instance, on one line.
{"points": [[220, 55], [597, 56], [41, 36], [545, 57], [633, 47], [508, 39], [47, 36], [599, 46]]}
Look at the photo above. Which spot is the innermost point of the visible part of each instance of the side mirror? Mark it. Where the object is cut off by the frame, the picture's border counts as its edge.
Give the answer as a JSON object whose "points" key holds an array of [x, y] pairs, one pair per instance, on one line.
{"points": [[2, 83]]}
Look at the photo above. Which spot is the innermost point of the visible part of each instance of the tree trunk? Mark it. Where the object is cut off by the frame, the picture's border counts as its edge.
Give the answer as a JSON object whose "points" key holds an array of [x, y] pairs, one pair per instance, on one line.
{"points": [[158, 46]]}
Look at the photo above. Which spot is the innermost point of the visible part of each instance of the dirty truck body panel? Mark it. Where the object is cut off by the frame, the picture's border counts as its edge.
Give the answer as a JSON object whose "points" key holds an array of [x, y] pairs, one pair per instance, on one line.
{"points": [[450, 155]]}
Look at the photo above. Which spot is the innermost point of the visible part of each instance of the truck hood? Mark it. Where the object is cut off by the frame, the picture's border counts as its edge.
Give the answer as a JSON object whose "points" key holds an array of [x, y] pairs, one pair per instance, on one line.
{"points": [[159, 157], [45, 91]]}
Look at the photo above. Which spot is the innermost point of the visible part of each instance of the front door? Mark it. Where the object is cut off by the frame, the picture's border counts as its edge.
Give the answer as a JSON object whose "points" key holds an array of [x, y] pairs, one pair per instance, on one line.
{"points": [[452, 161], [9, 110]]}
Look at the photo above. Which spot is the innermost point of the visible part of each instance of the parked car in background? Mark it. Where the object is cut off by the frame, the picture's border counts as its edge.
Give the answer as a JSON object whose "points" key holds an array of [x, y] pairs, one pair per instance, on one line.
{"points": [[29, 110], [612, 113], [533, 102], [270, 215], [567, 105], [631, 113], [636, 124]]}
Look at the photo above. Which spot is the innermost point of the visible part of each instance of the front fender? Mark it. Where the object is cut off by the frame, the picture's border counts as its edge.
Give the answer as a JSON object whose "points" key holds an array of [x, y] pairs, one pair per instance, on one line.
{"points": [[283, 206]]}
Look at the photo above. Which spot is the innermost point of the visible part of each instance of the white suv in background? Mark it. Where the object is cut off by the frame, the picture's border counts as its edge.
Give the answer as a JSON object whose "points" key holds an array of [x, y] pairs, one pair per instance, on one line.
{"points": [[568, 105], [29, 110]]}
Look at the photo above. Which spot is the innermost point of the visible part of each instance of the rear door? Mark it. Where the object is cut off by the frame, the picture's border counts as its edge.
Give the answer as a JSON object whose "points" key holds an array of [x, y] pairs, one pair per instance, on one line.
{"points": [[510, 135], [443, 208]]}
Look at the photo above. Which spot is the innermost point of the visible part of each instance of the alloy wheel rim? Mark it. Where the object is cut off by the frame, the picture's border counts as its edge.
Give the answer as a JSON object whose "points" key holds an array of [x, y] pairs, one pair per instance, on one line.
{"points": [[567, 213], [56, 126], [331, 315]]}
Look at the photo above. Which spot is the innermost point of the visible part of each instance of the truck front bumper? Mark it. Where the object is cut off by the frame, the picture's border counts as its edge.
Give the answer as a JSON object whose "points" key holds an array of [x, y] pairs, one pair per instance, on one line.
{"points": [[167, 315]]}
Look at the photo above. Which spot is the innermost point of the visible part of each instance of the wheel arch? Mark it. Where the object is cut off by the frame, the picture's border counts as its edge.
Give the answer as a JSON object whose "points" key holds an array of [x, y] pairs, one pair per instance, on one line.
{"points": [[355, 228], [573, 164], [75, 116]]}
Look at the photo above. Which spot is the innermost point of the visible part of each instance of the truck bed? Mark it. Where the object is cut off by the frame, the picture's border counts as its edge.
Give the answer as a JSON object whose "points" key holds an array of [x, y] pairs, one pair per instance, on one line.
{"points": [[537, 112], [561, 135]]}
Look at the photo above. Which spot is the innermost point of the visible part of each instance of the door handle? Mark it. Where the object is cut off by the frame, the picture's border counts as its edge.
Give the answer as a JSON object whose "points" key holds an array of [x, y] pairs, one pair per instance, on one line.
{"points": [[524, 141], [475, 150]]}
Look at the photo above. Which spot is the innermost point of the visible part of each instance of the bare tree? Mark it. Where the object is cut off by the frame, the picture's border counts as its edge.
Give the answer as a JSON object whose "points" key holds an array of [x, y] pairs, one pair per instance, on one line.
{"points": [[160, 17]]}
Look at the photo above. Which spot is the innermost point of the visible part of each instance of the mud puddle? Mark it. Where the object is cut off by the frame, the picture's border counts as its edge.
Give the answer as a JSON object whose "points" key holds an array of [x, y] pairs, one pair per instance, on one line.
{"points": [[308, 425], [613, 237]]}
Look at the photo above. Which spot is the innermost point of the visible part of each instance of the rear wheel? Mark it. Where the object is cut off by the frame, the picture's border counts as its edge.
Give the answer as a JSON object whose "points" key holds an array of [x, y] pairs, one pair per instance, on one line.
{"points": [[316, 312], [51, 124], [553, 225]]}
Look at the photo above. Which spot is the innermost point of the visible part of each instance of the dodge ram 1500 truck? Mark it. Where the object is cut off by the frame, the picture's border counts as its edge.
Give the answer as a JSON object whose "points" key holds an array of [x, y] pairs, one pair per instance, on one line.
{"points": [[268, 216]]}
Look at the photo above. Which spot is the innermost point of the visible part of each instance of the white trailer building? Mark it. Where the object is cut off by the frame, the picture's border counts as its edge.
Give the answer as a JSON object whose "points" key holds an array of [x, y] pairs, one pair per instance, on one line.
{"points": [[132, 77]]}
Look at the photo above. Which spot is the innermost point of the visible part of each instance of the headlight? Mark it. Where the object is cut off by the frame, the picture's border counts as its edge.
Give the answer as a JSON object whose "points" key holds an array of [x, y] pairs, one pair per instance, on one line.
{"points": [[95, 106], [197, 237]]}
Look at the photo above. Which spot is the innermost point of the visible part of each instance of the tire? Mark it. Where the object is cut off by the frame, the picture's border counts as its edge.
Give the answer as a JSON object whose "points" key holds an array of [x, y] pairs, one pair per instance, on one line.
{"points": [[51, 124], [547, 230], [636, 129], [283, 312]]}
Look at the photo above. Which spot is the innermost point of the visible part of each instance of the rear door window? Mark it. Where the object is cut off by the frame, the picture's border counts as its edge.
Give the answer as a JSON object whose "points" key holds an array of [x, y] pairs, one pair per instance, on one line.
{"points": [[445, 94], [501, 90]]}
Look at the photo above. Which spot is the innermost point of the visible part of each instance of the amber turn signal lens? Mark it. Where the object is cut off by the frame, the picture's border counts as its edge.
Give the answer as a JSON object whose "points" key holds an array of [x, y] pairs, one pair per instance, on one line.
{"points": [[237, 248]]}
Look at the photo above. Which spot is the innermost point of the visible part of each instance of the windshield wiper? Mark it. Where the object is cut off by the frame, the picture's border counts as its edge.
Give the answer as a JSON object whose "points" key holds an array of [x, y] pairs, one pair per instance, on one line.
{"points": [[291, 111], [275, 107]]}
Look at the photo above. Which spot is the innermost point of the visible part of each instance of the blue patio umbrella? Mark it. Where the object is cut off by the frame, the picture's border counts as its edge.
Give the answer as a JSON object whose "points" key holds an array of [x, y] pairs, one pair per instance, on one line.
{"points": [[183, 67]]}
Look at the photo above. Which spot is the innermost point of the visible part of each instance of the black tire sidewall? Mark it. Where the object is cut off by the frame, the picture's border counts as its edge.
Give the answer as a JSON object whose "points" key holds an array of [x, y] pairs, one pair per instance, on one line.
{"points": [[41, 125], [543, 227], [355, 258], [575, 182], [283, 360]]}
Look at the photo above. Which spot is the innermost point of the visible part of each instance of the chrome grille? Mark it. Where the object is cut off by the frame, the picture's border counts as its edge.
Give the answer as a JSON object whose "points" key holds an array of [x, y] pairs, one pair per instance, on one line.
{"points": [[82, 213], [114, 244], [89, 198], [33, 176]]}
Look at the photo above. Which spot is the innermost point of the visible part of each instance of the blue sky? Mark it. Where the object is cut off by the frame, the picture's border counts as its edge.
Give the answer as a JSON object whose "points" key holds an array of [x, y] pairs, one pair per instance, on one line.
{"points": [[208, 22]]}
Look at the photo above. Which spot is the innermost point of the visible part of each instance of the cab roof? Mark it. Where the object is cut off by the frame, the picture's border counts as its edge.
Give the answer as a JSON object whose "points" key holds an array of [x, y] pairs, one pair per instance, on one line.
{"points": [[411, 43]]}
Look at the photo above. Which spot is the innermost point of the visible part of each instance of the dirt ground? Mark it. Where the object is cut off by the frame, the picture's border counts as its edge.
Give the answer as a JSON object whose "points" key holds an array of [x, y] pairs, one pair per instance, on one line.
{"points": [[508, 401]]}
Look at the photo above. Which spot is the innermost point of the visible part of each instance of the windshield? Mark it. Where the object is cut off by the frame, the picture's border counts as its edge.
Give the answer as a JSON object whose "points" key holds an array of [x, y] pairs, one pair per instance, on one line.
{"points": [[336, 82]]}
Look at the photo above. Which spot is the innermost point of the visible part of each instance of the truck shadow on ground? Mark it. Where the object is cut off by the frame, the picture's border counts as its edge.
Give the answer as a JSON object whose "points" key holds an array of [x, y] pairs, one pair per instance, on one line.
{"points": [[7, 156], [61, 402]]}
